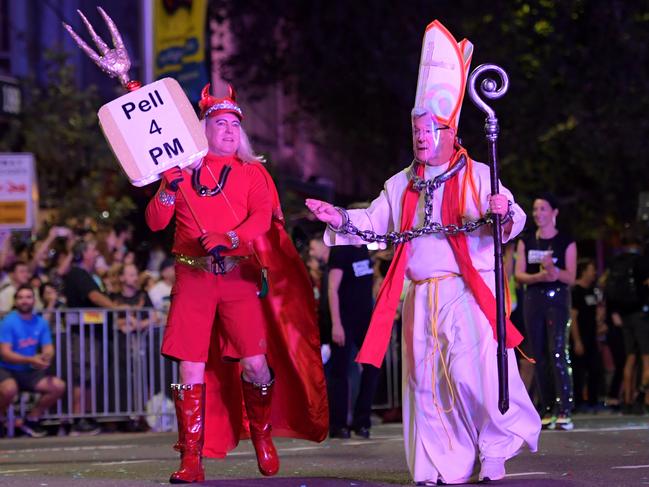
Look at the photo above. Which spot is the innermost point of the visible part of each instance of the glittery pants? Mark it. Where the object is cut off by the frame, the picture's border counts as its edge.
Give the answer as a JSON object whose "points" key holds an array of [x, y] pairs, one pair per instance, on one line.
{"points": [[547, 317]]}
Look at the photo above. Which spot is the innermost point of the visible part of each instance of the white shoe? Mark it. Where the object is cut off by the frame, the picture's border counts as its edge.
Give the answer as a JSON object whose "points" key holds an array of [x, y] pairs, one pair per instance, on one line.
{"points": [[565, 423], [493, 468]]}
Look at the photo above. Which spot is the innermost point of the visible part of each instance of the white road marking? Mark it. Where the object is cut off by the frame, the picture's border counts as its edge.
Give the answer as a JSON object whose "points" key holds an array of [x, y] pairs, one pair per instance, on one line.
{"points": [[124, 462], [629, 467], [280, 450], [20, 471], [70, 448], [637, 427], [525, 473]]}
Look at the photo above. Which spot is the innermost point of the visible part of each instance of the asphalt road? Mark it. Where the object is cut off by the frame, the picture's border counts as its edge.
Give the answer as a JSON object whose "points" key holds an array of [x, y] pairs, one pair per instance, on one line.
{"points": [[602, 450]]}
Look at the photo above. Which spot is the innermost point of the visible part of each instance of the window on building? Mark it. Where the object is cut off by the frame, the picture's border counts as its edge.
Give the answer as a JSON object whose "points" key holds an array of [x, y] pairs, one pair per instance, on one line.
{"points": [[4, 37]]}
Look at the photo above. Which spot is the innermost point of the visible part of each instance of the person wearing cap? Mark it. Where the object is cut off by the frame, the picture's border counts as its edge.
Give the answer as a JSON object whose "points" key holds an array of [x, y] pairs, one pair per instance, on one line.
{"points": [[547, 266], [450, 396], [218, 327]]}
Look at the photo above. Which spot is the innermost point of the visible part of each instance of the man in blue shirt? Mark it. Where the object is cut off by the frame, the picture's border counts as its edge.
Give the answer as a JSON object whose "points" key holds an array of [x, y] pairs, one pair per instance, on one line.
{"points": [[26, 352]]}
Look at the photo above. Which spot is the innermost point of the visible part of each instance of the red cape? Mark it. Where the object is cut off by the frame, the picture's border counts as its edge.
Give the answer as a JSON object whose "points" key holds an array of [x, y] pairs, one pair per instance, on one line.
{"points": [[299, 408]]}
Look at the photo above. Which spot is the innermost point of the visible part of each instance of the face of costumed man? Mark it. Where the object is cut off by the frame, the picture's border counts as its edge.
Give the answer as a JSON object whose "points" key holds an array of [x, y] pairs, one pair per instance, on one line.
{"points": [[223, 132], [432, 141]]}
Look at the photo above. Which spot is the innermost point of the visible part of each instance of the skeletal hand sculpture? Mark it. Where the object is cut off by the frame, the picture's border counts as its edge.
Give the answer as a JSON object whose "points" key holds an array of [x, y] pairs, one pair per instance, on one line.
{"points": [[114, 62]]}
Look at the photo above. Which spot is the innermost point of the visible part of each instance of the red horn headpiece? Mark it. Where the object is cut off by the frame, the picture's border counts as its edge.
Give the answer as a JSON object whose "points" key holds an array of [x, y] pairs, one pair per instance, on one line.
{"points": [[211, 106]]}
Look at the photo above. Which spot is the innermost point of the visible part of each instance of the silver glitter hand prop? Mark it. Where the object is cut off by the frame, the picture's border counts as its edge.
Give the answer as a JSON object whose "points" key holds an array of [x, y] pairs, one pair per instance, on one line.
{"points": [[489, 89], [114, 62]]}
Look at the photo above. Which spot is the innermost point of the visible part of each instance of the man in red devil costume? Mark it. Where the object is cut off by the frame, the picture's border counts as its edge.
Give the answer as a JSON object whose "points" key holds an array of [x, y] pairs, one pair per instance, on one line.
{"points": [[230, 248]]}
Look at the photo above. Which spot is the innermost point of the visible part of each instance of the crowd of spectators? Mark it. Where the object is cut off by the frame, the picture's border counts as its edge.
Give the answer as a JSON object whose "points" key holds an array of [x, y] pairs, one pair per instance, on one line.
{"points": [[76, 265]]}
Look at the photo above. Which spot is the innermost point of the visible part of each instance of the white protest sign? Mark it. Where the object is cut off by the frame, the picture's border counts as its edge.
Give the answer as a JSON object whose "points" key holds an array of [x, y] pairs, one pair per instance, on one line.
{"points": [[18, 191], [153, 129]]}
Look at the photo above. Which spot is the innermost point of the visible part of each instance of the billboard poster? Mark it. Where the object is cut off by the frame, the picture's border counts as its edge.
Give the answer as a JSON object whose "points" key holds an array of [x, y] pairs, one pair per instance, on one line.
{"points": [[18, 191]]}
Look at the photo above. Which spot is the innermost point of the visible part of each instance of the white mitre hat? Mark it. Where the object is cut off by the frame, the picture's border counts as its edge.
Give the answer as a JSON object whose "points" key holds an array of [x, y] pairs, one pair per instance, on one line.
{"points": [[443, 71]]}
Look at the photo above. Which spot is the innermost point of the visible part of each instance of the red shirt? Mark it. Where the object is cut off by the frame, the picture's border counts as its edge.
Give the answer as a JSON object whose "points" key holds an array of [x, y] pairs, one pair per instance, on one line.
{"points": [[244, 206]]}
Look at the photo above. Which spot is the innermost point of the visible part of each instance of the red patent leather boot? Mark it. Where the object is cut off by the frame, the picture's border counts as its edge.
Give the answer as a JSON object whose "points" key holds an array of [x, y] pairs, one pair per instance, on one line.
{"points": [[257, 398], [189, 400]]}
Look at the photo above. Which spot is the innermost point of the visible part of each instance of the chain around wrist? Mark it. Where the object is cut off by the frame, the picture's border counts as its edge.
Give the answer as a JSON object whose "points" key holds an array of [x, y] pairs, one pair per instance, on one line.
{"points": [[342, 228]]}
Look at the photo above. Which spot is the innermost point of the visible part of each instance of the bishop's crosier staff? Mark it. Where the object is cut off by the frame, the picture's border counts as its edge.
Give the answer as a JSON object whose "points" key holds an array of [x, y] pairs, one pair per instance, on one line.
{"points": [[488, 89]]}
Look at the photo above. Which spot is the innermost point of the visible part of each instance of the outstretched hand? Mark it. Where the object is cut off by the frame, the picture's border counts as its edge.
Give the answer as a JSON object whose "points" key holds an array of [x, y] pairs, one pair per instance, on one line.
{"points": [[325, 212]]}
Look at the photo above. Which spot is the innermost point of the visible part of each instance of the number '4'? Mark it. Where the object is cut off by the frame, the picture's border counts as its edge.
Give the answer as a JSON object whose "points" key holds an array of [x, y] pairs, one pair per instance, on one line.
{"points": [[155, 128]]}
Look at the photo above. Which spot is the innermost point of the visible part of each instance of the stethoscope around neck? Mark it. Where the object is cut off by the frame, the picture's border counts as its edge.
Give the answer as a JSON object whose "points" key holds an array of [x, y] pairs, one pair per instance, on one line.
{"points": [[205, 191]]}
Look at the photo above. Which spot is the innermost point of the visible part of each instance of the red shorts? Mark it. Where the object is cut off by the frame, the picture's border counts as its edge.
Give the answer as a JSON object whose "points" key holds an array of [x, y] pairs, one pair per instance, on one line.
{"points": [[215, 310]]}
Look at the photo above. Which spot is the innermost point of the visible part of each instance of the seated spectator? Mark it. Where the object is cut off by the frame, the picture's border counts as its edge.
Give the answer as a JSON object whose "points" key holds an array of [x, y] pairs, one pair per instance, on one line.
{"points": [[27, 351], [18, 276]]}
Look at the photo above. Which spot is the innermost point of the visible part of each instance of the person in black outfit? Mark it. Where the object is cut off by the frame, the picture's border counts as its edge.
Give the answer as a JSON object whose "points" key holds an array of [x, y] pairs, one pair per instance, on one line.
{"points": [[546, 264], [81, 290], [627, 295], [585, 353], [320, 253], [350, 303]]}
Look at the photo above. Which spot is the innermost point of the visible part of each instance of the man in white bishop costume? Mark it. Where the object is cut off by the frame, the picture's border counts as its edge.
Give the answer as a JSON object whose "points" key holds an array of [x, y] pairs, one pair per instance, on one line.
{"points": [[450, 382]]}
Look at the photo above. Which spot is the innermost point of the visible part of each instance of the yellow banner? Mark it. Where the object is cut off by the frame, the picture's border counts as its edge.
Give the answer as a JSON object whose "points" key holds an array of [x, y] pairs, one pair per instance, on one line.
{"points": [[179, 43], [13, 213], [93, 317]]}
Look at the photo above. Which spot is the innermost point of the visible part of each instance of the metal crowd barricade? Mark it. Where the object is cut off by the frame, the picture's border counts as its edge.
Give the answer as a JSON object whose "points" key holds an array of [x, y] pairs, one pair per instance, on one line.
{"points": [[388, 392], [110, 361]]}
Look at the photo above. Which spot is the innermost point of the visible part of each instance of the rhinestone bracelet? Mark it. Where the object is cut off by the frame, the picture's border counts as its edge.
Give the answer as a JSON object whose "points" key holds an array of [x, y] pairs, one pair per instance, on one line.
{"points": [[167, 199], [234, 239]]}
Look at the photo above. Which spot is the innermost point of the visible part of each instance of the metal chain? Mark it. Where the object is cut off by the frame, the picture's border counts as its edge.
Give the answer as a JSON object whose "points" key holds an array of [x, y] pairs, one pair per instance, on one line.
{"points": [[429, 227]]}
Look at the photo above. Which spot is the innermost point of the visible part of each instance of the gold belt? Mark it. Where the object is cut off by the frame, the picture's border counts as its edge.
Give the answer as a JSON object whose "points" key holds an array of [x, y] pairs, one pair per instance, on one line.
{"points": [[210, 264]]}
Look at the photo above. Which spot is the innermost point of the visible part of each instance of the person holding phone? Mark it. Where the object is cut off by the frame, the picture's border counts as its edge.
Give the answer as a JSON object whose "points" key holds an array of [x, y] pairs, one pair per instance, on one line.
{"points": [[546, 265]]}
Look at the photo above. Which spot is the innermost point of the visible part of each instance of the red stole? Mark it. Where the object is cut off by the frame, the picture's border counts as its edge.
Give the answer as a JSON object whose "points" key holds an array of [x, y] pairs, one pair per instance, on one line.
{"points": [[380, 329]]}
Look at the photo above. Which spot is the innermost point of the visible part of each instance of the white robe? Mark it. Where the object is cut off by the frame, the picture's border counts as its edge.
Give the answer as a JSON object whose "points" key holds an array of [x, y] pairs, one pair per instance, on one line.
{"points": [[452, 417]]}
